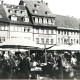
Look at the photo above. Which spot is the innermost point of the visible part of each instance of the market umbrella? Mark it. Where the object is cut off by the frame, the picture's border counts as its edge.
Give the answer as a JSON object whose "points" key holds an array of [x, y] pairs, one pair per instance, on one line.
{"points": [[19, 44], [74, 47], [60, 47]]}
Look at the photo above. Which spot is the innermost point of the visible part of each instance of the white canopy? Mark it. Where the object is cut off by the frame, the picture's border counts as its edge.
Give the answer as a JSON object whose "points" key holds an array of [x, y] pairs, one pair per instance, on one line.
{"points": [[74, 47], [18, 43], [60, 47]]}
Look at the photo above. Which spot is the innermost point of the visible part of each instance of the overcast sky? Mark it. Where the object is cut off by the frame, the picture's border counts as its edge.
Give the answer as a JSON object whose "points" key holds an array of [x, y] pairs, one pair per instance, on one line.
{"points": [[61, 7]]}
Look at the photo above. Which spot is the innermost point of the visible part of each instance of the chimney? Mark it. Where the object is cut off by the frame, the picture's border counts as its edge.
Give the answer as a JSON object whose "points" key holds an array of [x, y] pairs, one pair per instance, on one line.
{"points": [[21, 2], [1, 1], [46, 3], [42, 1]]}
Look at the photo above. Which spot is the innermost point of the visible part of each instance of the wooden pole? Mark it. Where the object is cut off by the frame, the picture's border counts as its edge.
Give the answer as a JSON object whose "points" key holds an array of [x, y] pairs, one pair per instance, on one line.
{"points": [[29, 52], [45, 53]]}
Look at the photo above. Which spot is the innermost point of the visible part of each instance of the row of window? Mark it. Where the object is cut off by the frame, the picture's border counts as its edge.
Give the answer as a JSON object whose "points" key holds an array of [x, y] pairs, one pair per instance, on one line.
{"points": [[15, 18], [42, 41], [36, 11], [2, 39], [44, 20], [66, 41], [16, 11], [67, 33], [44, 31], [4, 27], [23, 29]]}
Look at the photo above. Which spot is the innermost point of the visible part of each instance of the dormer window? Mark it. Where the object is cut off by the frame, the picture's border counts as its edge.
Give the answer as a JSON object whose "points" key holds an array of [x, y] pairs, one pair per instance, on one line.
{"points": [[13, 18], [0, 15], [37, 6], [21, 12], [17, 7], [46, 12], [11, 6], [35, 11], [26, 19], [15, 11], [10, 11]]}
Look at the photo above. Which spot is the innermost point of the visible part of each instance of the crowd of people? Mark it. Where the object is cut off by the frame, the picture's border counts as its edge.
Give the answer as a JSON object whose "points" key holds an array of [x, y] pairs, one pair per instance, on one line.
{"points": [[15, 66], [60, 64]]}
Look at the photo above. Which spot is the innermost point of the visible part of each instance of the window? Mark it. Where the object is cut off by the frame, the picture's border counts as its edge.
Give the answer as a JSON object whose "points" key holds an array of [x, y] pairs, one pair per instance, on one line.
{"points": [[13, 18], [65, 41], [15, 11], [40, 20], [46, 12], [26, 29], [0, 15], [3, 39], [52, 41], [37, 40], [47, 41], [2, 28], [77, 41], [37, 6], [54, 32], [36, 19], [33, 19], [42, 40], [53, 21], [44, 20], [6, 27], [42, 31], [14, 28], [10, 11], [19, 29], [49, 21], [21, 12], [35, 11], [36, 30], [26, 19]]}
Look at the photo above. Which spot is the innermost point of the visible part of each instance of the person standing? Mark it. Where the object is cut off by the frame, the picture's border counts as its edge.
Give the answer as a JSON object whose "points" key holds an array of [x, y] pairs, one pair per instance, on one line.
{"points": [[24, 67]]}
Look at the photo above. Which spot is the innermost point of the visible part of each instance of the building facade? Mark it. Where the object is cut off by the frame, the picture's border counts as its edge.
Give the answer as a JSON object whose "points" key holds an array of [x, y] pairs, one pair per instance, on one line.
{"points": [[44, 28], [33, 20], [67, 30]]}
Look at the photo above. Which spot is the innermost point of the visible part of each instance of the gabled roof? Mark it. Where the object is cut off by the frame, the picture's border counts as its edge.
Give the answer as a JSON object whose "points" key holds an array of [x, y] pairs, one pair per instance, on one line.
{"points": [[19, 17], [66, 22], [4, 16], [41, 9], [21, 7]]}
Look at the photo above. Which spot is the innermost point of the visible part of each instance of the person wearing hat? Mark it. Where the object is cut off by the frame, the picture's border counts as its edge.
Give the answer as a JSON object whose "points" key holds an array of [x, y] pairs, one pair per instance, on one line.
{"points": [[6, 67], [24, 67]]}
